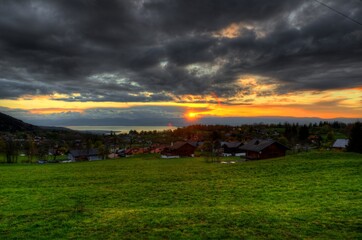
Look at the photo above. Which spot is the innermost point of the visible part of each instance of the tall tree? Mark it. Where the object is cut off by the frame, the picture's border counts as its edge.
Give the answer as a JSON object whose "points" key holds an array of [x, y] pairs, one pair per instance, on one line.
{"points": [[30, 148], [303, 133], [355, 138], [2, 148], [11, 151]]}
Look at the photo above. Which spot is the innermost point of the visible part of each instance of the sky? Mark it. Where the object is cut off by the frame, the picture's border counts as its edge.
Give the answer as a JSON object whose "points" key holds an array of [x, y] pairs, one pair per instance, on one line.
{"points": [[190, 59]]}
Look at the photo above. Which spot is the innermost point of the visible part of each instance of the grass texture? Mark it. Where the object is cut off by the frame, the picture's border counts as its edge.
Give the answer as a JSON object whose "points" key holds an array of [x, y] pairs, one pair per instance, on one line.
{"points": [[315, 195]]}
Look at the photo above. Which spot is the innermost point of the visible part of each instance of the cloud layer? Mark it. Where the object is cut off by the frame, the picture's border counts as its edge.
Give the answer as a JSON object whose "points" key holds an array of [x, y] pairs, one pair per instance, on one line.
{"points": [[165, 50]]}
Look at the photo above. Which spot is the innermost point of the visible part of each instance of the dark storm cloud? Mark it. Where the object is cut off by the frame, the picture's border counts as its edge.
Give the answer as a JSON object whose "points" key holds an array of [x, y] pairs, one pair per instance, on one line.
{"points": [[151, 50], [194, 17]]}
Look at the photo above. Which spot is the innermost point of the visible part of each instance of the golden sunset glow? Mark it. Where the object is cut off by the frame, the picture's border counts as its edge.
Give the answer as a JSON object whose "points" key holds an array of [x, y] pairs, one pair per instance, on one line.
{"points": [[192, 115], [234, 30], [231, 31], [325, 104]]}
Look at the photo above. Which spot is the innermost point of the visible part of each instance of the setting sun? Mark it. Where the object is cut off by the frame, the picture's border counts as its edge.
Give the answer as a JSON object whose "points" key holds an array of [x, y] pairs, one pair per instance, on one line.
{"points": [[191, 115]]}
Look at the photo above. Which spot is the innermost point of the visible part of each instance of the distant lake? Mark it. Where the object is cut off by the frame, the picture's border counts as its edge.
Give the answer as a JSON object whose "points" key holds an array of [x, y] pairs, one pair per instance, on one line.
{"points": [[120, 129]]}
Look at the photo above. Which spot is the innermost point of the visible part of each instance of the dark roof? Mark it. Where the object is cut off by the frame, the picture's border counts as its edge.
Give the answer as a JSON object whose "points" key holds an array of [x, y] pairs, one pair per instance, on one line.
{"points": [[178, 145], [231, 144], [257, 145], [340, 143], [195, 144], [84, 152]]}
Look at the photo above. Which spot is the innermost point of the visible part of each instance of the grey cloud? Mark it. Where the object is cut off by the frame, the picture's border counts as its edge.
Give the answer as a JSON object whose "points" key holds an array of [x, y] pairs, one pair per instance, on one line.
{"points": [[57, 46], [190, 17], [126, 113]]}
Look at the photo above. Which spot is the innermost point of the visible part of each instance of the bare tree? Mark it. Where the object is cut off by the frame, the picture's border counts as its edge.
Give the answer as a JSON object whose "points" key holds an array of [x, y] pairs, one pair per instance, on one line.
{"points": [[2, 148], [31, 150], [11, 151]]}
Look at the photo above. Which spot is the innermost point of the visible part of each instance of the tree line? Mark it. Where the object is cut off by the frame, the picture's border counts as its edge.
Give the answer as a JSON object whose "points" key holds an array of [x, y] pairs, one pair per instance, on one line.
{"points": [[53, 143]]}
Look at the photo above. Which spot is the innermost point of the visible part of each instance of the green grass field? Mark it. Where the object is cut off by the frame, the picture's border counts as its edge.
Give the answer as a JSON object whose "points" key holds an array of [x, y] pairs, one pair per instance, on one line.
{"points": [[34, 159], [306, 196]]}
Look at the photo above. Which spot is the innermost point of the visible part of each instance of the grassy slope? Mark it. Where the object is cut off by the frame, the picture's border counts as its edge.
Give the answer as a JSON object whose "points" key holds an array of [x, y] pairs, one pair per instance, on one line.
{"points": [[312, 195]]}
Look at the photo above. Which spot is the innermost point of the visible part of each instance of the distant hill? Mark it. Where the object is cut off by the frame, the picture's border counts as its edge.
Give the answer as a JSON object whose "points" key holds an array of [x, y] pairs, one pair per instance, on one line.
{"points": [[180, 122], [10, 124]]}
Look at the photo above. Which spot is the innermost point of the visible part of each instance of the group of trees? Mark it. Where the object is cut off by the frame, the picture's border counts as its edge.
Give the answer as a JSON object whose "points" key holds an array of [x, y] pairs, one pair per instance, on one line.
{"points": [[11, 149], [355, 139]]}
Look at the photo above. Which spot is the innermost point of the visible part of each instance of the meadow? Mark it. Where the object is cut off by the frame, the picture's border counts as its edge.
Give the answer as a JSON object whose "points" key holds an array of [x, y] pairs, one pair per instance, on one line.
{"points": [[315, 195]]}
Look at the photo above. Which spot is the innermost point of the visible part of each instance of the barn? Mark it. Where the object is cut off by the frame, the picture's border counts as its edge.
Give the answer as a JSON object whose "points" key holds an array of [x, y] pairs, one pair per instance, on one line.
{"points": [[257, 149], [231, 148], [84, 155], [340, 144], [179, 149]]}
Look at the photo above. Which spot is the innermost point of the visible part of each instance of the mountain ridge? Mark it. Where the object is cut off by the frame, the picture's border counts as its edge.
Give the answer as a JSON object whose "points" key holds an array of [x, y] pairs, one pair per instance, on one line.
{"points": [[11, 124]]}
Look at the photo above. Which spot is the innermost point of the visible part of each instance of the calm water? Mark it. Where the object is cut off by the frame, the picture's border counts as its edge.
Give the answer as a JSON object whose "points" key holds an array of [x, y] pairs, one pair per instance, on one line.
{"points": [[120, 129]]}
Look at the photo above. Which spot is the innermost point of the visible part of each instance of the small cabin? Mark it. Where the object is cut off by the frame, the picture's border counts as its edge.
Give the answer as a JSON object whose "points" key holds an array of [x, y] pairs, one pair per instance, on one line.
{"points": [[84, 155], [340, 144]]}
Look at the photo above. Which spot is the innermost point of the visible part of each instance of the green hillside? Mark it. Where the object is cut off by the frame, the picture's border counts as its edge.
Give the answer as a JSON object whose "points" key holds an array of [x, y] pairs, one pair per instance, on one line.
{"points": [[311, 195]]}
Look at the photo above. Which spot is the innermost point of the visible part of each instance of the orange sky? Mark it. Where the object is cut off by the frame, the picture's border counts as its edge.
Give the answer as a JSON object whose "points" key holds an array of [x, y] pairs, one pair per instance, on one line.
{"points": [[344, 103]]}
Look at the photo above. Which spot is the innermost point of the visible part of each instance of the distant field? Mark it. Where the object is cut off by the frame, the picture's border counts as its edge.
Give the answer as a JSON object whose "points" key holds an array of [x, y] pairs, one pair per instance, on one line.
{"points": [[310, 195]]}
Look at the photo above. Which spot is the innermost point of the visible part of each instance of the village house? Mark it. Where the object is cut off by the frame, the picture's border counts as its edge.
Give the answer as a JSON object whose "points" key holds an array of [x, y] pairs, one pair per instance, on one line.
{"points": [[157, 148], [179, 149], [196, 144], [340, 144], [257, 149], [232, 148], [84, 155]]}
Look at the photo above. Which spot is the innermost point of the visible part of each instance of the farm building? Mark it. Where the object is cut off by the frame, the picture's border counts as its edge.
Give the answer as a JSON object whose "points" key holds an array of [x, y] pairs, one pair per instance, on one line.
{"points": [[84, 155], [196, 144], [263, 149], [340, 144], [179, 149], [232, 148]]}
